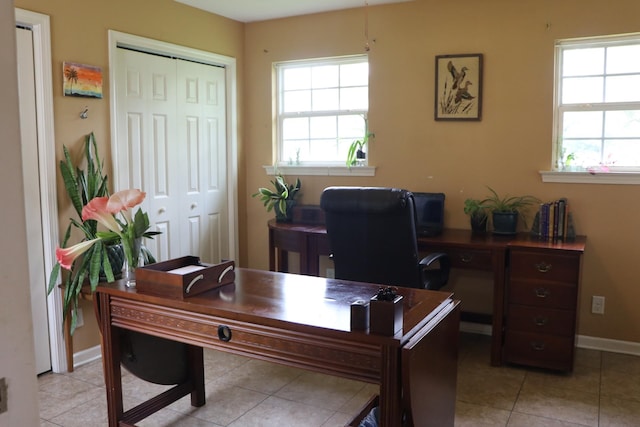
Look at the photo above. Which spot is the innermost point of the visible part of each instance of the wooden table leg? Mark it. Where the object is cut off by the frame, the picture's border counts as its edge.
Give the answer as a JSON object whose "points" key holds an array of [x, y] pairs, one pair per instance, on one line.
{"points": [[111, 363]]}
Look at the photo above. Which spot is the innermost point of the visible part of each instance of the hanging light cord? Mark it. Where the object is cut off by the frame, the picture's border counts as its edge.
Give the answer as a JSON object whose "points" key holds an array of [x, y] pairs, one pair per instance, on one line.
{"points": [[366, 26]]}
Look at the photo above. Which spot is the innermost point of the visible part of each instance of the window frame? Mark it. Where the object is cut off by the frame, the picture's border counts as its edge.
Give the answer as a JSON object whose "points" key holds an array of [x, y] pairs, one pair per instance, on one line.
{"points": [[614, 175], [335, 167]]}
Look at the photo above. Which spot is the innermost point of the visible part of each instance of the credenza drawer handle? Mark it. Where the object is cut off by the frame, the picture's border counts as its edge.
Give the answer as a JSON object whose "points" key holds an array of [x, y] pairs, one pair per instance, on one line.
{"points": [[537, 346], [466, 257], [543, 267], [542, 292], [540, 321], [224, 333]]}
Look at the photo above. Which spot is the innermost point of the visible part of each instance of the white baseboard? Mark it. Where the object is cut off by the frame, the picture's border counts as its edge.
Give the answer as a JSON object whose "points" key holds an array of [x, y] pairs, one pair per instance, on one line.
{"points": [[605, 344], [582, 341], [85, 356]]}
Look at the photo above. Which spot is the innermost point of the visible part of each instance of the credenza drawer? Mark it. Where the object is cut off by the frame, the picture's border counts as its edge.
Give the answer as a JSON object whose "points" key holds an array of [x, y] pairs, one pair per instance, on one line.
{"points": [[545, 351], [543, 295], [475, 259], [544, 266], [540, 320]]}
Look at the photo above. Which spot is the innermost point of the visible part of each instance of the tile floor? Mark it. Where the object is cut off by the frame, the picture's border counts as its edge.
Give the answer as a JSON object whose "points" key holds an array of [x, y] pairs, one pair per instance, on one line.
{"points": [[604, 390]]}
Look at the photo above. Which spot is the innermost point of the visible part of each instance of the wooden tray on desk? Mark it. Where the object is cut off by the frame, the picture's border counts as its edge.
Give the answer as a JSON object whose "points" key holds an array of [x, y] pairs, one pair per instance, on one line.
{"points": [[183, 277]]}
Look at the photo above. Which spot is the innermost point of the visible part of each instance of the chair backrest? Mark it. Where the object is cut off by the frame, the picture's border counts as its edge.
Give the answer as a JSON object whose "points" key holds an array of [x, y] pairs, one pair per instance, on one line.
{"points": [[372, 233]]}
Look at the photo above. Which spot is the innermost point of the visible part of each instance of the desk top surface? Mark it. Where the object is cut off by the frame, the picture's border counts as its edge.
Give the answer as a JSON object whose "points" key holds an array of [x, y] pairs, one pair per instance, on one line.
{"points": [[460, 237], [293, 301]]}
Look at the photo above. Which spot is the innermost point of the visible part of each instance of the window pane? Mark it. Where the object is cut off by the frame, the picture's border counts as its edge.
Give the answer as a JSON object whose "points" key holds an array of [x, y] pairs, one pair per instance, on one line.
{"points": [[354, 74], [325, 100], [583, 62], [326, 76], [324, 127], [323, 150], [622, 152], [582, 90], [297, 128], [294, 151], [354, 98], [587, 124], [625, 123], [586, 152], [351, 127], [623, 89], [623, 59], [297, 101], [297, 78]]}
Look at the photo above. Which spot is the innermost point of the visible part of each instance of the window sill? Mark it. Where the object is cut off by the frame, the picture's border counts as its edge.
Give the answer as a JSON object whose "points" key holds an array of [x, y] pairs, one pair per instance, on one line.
{"points": [[322, 170], [588, 178]]}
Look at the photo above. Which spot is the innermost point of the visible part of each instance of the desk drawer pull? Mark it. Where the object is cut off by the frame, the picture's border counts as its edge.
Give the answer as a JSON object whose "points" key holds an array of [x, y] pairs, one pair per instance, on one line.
{"points": [[537, 346], [466, 258], [540, 321], [224, 333], [543, 267], [542, 292]]}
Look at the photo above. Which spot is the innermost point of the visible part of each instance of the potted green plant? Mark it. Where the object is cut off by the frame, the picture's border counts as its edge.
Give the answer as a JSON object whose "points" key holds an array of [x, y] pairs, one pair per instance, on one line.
{"points": [[356, 154], [280, 198], [506, 210], [477, 212]]}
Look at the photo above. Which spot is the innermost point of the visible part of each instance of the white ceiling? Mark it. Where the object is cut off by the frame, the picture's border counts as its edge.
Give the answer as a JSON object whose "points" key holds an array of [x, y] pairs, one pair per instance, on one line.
{"points": [[260, 10]]}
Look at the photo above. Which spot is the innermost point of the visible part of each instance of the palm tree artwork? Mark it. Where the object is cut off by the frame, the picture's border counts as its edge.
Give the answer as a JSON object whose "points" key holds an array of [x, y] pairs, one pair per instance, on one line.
{"points": [[82, 80]]}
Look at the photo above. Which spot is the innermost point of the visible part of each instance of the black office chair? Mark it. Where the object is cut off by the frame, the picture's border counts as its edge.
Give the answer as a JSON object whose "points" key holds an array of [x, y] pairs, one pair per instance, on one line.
{"points": [[372, 235]]}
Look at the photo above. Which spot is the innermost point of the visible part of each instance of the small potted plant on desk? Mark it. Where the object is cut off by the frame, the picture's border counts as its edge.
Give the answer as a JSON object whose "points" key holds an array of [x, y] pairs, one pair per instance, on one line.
{"points": [[281, 198], [506, 210], [477, 212]]}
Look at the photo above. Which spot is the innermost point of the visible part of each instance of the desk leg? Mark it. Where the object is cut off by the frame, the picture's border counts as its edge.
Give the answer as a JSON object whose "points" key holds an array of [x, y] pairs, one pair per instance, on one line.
{"points": [[111, 363], [390, 377], [196, 374], [497, 324]]}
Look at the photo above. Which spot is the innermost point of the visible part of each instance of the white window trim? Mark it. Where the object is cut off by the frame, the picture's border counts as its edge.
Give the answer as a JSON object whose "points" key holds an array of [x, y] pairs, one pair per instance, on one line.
{"points": [[556, 175], [568, 177], [321, 170]]}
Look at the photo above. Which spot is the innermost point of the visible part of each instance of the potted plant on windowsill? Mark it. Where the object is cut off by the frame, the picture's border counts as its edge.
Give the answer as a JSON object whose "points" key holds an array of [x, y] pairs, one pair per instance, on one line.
{"points": [[281, 199], [356, 156], [477, 212], [506, 210]]}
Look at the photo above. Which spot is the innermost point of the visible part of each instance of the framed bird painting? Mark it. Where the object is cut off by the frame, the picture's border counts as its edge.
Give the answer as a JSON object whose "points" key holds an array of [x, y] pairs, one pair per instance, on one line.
{"points": [[458, 87]]}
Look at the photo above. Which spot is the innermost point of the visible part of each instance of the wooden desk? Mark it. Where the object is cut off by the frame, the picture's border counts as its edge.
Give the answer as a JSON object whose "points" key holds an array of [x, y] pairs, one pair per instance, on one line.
{"points": [[300, 321], [486, 252]]}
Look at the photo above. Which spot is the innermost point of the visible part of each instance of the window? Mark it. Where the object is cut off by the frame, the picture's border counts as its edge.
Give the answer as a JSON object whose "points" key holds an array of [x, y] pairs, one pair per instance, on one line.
{"points": [[322, 108], [598, 104]]}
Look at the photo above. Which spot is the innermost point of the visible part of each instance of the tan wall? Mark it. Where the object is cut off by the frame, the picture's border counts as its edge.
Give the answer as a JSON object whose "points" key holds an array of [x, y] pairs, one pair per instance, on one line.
{"points": [[505, 150], [79, 33], [17, 362]]}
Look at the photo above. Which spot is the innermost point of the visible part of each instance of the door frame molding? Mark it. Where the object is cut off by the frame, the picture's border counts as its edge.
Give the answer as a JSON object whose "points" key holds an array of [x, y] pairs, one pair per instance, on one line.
{"points": [[143, 44], [41, 29]]}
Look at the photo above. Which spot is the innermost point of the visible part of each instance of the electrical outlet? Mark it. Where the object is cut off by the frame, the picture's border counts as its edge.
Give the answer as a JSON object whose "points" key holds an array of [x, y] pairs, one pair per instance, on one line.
{"points": [[3, 395], [331, 273], [597, 304], [79, 318]]}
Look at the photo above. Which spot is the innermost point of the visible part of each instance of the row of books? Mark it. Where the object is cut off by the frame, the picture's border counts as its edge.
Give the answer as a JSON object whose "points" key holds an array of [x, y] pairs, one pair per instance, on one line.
{"points": [[554, 221]]}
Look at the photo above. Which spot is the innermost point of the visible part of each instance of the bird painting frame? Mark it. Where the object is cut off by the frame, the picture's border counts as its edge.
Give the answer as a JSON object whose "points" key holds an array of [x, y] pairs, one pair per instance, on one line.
{"points": [[458, 93]]}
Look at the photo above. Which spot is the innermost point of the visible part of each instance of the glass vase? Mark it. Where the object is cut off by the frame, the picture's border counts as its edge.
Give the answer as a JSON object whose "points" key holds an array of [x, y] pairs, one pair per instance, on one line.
{"points": [[132, 259]]}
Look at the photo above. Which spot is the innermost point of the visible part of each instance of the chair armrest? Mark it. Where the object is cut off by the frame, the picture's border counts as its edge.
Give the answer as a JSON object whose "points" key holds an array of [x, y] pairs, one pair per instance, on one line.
{"points": [[434, 279]]}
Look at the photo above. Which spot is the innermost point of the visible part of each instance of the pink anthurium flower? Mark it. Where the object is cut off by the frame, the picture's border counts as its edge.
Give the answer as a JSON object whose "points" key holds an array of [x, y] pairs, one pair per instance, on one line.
{"points": [[124, 200], [97, 209], [66, 256]]}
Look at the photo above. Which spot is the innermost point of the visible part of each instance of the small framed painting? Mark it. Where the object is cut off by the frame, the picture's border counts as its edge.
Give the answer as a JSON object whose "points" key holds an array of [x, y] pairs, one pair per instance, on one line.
{"points": [[81, 80], [458, 87]]}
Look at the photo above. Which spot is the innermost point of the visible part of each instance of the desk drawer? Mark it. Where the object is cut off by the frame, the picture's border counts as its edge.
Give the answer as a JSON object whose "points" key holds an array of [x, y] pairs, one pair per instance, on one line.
{"points": [[544, 351], [543, 295], [540, 320], [475, 259], [544, 266], [289, 241]]}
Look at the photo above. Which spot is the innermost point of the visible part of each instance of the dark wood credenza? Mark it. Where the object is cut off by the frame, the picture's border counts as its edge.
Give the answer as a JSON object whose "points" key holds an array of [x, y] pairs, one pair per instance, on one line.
{"points": [[535, 284]]}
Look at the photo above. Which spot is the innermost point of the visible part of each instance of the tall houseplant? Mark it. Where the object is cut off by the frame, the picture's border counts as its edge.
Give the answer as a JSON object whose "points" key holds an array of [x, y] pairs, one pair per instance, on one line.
{"points": [[506, 210], [280, 198]]}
